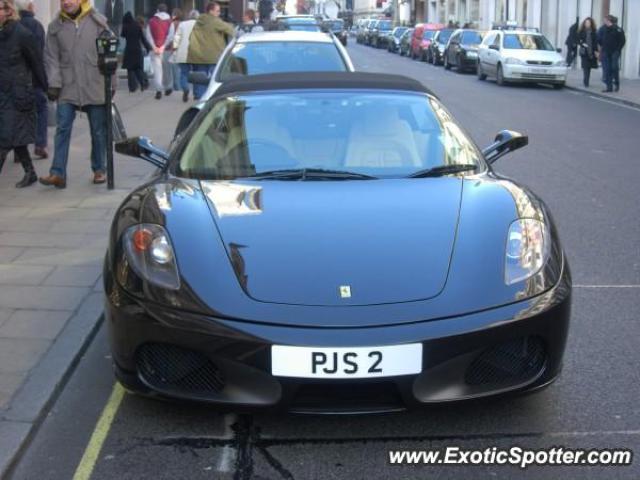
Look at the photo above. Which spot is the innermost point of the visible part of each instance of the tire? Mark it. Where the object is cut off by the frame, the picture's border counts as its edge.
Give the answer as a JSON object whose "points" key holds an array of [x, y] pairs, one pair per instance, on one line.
{"points": [[558, 86], [447, 65], [481, 75], [459, 64], [500, 77]]}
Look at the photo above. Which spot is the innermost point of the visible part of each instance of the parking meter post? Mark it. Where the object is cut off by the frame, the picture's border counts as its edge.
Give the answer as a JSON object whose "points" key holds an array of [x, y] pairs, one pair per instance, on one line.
{"points": [[107, 47]]}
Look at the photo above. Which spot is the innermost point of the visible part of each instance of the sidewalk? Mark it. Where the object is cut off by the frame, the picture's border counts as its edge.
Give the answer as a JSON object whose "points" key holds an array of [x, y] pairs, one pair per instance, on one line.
{"points": [[52, 244], [629, 93]]}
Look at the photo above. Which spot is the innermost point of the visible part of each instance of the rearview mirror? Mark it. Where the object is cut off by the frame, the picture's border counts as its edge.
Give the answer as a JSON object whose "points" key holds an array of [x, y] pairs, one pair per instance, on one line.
{"points": [[506, 141], [141, 147], [559, 50], [199, 78]]}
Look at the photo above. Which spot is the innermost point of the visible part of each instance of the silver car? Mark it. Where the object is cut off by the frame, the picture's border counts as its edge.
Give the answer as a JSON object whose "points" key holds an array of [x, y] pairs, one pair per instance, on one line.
{"points": [[258, 53]]}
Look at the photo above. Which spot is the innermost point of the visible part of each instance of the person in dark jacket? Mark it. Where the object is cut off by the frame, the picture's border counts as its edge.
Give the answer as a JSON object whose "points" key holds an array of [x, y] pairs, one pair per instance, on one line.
{"points": [[133, 60], [20, 65], [588, 48], [26, 10], [611, 39], [572, 43]]}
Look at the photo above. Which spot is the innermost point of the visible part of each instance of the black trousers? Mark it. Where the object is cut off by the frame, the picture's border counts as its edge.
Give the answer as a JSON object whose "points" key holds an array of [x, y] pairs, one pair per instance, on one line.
{"points": [[137, 78], [586, 75], [22, 155]]}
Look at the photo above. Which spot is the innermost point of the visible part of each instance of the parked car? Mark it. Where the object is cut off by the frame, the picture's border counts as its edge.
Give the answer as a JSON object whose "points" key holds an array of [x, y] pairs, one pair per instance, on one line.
{"points": [[337, 28], [360, 30], [393, 41], [380, 34], [438, 44], [269, 52], [520, 55], [404, 48], [369, 31], [462, 50], [254, 269], [422, 37]]}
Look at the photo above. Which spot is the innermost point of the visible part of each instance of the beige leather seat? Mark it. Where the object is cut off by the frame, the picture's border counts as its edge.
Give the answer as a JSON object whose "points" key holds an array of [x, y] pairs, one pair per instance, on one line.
{"points": [[382, 140]]}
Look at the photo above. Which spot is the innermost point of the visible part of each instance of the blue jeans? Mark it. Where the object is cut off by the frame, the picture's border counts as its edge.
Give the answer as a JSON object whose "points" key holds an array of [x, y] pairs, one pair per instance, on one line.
{"points": [[65, 115], [42, 113], [175, 68], [185, 68], [610, 69], [198, 90]]}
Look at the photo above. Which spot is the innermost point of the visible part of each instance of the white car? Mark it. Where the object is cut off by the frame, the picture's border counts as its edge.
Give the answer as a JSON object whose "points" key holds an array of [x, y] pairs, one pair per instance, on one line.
{"points": [[270, 52], [519, 55]]}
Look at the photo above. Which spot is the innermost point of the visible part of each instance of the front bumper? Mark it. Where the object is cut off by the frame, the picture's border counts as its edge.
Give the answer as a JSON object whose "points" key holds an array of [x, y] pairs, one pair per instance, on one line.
{"points": [[530, 73], [514, 348]]}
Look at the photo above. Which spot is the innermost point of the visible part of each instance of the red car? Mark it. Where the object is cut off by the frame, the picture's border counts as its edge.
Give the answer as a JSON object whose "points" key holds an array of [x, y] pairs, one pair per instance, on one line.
{"points": [[422, 36]]}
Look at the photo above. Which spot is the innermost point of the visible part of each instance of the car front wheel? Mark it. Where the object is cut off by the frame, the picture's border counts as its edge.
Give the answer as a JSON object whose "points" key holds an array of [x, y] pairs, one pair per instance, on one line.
{"points": [[481, 75], [500, 76]]}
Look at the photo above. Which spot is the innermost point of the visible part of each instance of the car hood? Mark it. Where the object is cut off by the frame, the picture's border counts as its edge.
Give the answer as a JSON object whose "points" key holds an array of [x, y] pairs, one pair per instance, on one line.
{"points": [[535, 55], [338, 243]]}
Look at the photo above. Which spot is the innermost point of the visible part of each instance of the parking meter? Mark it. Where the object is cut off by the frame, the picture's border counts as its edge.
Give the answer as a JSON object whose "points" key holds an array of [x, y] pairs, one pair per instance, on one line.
{"points": [[107, 47]]}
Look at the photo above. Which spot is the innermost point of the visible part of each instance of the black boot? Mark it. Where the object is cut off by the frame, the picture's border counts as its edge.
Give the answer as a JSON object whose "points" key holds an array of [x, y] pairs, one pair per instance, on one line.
{"points": [[3, 157], [30, 176]]}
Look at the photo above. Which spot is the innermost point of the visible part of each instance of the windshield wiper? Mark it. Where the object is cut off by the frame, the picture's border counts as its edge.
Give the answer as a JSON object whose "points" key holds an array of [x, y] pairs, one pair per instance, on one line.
{"points": [[443, 170], [310, 174]]}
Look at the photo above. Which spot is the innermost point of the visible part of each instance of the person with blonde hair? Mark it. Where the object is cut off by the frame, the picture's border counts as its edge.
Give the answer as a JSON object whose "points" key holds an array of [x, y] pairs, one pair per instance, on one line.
{"points": [[21, 67]]}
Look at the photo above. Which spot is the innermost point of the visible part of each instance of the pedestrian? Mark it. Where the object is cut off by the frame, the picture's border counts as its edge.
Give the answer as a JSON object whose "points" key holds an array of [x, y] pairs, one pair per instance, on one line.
{"points": [[250, 22], [133, 59], [75, 82], [20, 66], [160, 33], [176, 19], [588, 48], [208, 39], [181, 47], [142, 23], [26, 9], [572, 43], [611, 39]]}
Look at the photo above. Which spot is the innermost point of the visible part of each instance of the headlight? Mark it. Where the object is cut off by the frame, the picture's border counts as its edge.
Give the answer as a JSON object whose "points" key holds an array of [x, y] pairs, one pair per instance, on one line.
{"points": [[150, 254], [560, 63], [527, 250], [513, 61]]}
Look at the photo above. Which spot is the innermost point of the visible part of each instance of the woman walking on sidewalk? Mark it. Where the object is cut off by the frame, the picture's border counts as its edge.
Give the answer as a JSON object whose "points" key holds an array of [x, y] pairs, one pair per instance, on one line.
{"points": [[588, 48], [133, 59], [20, 65]]}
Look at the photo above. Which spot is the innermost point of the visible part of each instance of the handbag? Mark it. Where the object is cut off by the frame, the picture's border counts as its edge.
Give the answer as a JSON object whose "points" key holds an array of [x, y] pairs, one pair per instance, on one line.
{"points": [[582, 51]]}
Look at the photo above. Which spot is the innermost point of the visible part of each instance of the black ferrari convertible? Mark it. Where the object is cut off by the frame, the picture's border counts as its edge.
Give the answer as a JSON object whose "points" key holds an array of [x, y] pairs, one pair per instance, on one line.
{"points": [[332, 243]]}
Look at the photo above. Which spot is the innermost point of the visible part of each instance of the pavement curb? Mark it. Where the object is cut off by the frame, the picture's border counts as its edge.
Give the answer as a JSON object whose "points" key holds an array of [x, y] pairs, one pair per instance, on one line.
{"points": [[621, 101], [28, 407]]}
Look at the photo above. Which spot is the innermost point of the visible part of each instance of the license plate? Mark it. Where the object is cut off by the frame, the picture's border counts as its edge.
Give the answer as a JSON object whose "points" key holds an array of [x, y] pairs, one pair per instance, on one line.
{"points": [[346, 362], [539, 70]]}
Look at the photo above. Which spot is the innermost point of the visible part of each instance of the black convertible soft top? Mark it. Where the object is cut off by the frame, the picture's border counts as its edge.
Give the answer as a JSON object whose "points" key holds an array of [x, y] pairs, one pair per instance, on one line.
{"points": [[321, 80]]}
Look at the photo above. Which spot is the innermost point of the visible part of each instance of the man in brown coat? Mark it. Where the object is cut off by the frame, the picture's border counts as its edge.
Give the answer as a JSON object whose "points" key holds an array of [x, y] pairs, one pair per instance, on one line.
{"points": [[71, 61]]}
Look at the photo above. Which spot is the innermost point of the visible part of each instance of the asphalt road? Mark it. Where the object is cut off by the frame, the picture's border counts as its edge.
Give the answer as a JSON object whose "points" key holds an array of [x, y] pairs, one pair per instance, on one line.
{"points": [[583, 161]]}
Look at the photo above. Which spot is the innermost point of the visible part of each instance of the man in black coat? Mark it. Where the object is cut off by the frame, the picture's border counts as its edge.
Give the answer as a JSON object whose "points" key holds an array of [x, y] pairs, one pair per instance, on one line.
{"points": [[26, 9], [572, 43], [611, 39]]}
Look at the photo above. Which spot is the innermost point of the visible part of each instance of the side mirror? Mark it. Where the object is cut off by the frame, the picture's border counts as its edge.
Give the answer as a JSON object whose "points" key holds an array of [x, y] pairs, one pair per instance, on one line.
{"points": [[559, 50], [506, 141], [199, 78], [494, 47], [141, 147]]}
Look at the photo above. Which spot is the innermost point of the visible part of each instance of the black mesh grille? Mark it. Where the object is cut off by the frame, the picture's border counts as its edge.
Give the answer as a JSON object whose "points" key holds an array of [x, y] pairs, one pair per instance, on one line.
{"points": [[168, 367], [509, 363], [348, 397]]}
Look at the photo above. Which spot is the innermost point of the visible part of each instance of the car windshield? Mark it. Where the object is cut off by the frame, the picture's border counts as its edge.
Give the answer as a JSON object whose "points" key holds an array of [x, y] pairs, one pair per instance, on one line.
{"points": [[381, 134], [386, 25], [428, 34], [526, 41], [399, 31], [254, 58], [471, 38], [444, 36]]}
